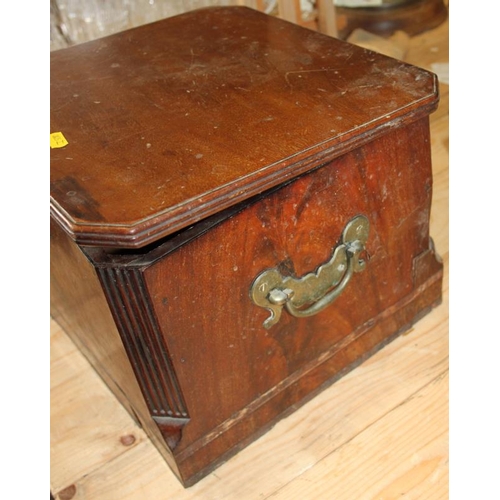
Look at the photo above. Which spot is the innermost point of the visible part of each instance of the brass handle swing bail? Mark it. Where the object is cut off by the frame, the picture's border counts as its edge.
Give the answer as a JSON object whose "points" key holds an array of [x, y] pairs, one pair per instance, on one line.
{"points": [[315, 290]]}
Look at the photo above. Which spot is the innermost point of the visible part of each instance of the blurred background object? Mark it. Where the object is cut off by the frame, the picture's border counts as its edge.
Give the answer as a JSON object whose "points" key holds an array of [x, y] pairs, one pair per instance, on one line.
{"points": [[77, 21], [385, 17]]}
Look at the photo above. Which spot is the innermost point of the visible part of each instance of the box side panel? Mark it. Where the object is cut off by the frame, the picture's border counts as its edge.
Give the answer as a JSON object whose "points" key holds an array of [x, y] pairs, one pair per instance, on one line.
{"points": [[238, 377], [79, 305]]}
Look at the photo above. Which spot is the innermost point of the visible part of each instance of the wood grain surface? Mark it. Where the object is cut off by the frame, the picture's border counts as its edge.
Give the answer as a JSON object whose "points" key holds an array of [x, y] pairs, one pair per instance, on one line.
{"points": [[381, 432], [199, 101]]}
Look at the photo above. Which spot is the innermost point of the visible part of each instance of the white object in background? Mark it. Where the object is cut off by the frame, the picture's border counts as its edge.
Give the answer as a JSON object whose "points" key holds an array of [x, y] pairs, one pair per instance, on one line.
{"points": [[357, 3], [307, 7], [442, 71]]}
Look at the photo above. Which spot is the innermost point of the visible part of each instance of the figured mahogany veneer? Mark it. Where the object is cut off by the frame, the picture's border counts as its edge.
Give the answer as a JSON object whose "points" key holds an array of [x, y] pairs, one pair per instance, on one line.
{"points": [[203, 150]]}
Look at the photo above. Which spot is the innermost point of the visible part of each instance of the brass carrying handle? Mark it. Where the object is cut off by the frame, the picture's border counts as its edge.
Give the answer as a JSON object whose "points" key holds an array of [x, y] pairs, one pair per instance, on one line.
{"points": [[315, 290]]}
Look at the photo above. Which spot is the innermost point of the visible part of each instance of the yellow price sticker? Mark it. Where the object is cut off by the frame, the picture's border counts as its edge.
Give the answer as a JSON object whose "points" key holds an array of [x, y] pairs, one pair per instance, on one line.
{"points": [[57, 140]]}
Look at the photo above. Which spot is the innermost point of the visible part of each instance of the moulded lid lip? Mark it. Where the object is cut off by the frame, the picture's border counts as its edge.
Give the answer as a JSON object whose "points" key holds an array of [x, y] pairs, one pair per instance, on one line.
{"points": [[173, 218]]}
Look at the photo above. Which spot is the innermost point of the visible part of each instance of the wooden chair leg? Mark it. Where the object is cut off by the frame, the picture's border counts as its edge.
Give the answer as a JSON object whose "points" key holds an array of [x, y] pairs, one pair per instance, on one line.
{"points": [[327, 20], [290, 10]]}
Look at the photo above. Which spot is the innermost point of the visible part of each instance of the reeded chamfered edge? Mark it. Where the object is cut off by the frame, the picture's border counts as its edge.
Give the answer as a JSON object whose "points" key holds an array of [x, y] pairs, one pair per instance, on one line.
{"points": [[172, 122]]}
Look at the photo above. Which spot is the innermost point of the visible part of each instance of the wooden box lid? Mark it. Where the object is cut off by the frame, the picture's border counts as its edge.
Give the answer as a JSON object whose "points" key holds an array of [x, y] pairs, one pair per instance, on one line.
{"points": [[171, 122]]}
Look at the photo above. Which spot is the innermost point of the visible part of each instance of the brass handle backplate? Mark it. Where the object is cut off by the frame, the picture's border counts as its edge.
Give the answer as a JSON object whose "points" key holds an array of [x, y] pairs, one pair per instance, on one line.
{"points": [[313, 292]]}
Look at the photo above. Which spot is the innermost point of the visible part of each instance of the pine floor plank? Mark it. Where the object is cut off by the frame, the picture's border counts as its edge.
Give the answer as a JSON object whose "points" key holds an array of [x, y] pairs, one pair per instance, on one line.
{"points": [[404, 454], [88, 425], [430, 47]]}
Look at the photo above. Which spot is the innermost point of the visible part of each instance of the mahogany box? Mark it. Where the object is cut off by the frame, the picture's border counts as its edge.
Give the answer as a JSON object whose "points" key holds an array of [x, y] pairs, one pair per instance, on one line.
{"points": [[239, 216]]}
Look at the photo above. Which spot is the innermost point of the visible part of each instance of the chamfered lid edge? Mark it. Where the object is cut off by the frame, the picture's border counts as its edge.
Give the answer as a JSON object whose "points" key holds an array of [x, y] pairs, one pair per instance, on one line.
{"points": [[318, 105]]}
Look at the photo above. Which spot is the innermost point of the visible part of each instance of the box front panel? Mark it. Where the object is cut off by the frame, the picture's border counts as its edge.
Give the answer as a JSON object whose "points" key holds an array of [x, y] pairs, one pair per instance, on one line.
{"points": [[235, 373]]}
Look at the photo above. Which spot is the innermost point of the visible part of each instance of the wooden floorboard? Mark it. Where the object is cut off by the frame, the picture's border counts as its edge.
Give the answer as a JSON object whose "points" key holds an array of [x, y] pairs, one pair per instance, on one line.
{"points": [[381, 432]]}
